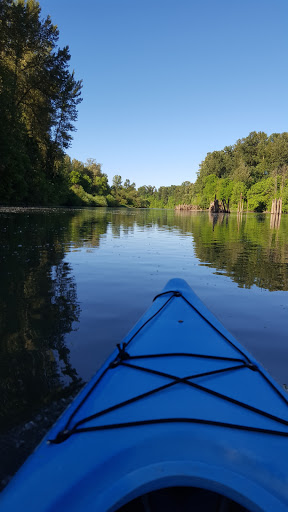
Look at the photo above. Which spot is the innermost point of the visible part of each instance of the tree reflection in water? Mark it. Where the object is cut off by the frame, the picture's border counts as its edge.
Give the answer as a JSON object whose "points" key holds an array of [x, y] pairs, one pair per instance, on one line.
{"points": [[38, 307], [246, 247], [38, 299]]}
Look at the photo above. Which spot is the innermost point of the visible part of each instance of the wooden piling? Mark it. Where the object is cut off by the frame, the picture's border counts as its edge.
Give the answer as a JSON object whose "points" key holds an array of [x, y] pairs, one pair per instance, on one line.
{"points": [[240, 208], [279, 208], [276, 207], [276, 211]]}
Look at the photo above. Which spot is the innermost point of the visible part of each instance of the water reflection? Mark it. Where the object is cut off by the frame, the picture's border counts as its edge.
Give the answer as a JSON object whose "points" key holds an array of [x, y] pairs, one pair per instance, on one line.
{"points": [[38, 307], [38, 296], [219, 218], [246, 248], [275, 220], [243, 246], [85, 228]]}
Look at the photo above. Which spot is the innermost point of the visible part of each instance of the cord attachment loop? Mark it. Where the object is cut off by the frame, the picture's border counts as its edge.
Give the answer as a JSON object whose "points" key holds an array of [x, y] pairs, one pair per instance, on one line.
{"points": [[122, 352], [121, 356]]}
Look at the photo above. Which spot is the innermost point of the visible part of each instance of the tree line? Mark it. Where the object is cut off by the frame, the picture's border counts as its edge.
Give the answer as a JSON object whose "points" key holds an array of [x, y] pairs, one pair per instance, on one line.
{"points": [[89, 186], [254, 168], [39, 97]]}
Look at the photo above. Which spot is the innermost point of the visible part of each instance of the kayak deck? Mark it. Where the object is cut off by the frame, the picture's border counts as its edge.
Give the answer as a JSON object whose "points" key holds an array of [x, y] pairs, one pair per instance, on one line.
{"points": [[180, 415], [209, 366]]}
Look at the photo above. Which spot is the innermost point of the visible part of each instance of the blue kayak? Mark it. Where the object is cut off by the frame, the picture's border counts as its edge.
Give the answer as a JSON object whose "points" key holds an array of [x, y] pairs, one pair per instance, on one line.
{"points": [[180, 417]]}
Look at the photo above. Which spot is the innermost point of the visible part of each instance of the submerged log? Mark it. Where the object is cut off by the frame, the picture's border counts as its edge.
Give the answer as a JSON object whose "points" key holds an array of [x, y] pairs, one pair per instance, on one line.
{"points": [[188, 207]]}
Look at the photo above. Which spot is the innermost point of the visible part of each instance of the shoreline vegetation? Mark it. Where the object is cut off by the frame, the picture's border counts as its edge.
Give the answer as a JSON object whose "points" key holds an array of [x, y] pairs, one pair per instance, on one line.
{"points": [[39, 97]]}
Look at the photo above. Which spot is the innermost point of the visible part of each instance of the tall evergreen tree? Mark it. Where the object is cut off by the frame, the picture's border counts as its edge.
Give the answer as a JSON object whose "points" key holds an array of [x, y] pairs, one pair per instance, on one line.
{"points": [[38, 102]]}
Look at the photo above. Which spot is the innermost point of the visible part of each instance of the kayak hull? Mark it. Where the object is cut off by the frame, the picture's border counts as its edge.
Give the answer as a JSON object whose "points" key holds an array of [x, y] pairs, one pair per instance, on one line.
{"points": [[202, 428]]}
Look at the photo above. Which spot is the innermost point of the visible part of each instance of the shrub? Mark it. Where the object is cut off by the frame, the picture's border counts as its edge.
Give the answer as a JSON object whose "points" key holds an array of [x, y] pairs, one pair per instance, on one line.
{"points": [[260, 195], [87, 199]]}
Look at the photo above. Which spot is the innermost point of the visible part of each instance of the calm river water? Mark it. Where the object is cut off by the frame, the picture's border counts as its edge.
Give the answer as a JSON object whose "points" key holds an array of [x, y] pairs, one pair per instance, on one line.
{"points": [[73, 282]]}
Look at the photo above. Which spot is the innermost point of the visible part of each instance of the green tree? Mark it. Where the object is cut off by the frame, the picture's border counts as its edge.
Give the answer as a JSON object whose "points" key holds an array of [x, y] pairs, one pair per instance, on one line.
{"points": [[117, 182], [242, 173], [209, 190], [101, 185], [249, 151], [239, 188], [277, 151], [38, 102], [260, 195], [214, 163], [250, 161]]}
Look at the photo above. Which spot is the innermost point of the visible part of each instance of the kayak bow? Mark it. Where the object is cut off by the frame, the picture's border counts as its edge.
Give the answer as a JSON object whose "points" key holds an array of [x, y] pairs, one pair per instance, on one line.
{"points": [[180, 417]]}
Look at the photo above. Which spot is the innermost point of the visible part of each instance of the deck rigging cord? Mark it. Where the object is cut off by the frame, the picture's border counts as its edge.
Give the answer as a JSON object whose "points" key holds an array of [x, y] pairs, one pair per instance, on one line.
{"points": [[124, 359]]}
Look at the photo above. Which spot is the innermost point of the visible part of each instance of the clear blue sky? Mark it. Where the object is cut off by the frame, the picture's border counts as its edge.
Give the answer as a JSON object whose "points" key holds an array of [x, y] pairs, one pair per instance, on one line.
{"points": [[166, 81]]}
